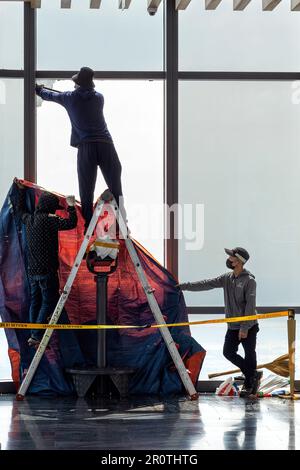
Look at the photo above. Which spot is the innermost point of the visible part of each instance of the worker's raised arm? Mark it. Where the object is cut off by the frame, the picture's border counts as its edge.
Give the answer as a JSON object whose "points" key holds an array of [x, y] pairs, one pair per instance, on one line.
{"points": [[66, 224], [55, 96], [206, 284]]}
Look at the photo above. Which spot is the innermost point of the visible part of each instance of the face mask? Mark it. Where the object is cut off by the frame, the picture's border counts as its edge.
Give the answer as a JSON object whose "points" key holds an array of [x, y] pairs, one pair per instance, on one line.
{"points": [[229, 264]]}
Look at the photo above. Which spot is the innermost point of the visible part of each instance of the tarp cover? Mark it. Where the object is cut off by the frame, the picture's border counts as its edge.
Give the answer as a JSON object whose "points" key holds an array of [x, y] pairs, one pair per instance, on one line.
{"points": [[141, 349]]}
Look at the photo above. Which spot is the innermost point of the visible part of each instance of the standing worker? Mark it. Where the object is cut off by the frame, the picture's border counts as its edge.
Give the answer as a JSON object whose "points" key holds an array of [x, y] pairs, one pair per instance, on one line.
{"points": [[240, 300], [90, 135], [41, 229]]}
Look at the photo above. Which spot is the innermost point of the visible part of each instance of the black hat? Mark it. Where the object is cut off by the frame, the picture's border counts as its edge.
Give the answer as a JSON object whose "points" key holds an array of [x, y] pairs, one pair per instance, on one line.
{"points": [[239, 253], [48, 203], [84, 77]]}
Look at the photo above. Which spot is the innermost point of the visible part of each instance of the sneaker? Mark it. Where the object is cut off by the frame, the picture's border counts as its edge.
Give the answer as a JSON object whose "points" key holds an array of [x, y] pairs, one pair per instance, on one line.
{"points": [[33, 342], [256, 381], [246, 391]]}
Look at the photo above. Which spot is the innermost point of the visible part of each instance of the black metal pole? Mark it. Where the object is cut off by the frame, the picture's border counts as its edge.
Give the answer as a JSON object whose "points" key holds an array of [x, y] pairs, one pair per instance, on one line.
{"points": [[101, 304], [171, 132], [29, 92]]}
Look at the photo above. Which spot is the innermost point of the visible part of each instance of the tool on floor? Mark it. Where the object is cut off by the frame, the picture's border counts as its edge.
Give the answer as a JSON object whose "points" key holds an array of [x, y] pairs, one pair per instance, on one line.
{"points": [[279, 366]]}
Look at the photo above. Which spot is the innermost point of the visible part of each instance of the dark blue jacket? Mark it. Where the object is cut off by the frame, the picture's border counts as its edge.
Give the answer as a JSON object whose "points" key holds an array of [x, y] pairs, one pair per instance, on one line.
{"points": [[85, 109]]}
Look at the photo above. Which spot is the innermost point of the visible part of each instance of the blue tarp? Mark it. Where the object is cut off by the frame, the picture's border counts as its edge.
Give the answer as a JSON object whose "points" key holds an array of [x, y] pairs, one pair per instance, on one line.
{"points": [[142, 349]]}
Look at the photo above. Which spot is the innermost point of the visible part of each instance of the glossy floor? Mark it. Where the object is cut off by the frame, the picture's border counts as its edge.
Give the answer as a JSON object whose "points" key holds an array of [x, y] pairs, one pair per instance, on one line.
{"points": [[149, 423]]}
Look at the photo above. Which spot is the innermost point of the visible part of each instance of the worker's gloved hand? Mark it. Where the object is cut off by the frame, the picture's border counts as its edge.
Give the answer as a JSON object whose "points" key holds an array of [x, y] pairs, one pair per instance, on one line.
{"points": [[19, 183], [38, 88], [180, 286], [70, 201]]}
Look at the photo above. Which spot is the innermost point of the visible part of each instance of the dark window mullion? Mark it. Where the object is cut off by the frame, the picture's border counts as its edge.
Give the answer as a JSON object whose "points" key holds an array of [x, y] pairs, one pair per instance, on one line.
{"points": [[29, 92], [171, 133]]}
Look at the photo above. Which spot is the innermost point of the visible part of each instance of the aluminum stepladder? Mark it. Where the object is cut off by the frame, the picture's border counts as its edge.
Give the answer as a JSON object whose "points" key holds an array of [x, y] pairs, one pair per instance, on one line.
{"points": [[105, 198]]}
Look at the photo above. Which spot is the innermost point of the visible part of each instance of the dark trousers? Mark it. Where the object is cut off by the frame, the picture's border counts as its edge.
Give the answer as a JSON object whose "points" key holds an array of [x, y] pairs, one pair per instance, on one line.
{"points": [[90, 156], [44, 294], [231, 345]]}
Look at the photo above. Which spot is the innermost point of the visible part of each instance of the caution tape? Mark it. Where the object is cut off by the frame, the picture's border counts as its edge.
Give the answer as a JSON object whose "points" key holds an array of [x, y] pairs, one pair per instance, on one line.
{"points": [[46, 326], [111, 244], [261, 316], [70, 326]]}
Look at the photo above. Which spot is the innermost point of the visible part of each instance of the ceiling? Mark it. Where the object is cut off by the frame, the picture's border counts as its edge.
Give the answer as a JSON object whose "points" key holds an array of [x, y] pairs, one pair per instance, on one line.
{"points": [[153, 5]]}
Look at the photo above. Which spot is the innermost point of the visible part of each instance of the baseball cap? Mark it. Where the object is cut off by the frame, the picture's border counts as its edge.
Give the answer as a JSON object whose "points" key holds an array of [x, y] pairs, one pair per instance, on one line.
{"points": [[239, 253]]}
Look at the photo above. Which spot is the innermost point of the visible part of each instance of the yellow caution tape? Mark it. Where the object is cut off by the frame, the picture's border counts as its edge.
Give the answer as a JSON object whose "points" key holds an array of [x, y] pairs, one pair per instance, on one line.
{"points": [[43, 326], [115, 245], [261, 316]]}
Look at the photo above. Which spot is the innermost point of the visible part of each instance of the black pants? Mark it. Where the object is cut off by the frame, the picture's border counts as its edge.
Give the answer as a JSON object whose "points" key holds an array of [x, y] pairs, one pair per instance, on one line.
{"points": [[231, 345], [90, 156], [44, 294]]}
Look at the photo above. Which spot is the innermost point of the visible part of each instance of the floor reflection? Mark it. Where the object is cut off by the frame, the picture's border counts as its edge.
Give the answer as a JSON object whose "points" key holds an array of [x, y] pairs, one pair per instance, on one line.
{"points": [[242, 435], [147, 423]]}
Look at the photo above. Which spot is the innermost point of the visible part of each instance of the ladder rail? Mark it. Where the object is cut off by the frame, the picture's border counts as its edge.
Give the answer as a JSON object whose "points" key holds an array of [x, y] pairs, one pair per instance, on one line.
{"points": [[153, 304]]}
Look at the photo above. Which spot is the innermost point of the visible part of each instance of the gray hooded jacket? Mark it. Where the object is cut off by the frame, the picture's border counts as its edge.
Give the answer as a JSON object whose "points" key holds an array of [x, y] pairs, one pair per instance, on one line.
{"points": [[239, 295]]}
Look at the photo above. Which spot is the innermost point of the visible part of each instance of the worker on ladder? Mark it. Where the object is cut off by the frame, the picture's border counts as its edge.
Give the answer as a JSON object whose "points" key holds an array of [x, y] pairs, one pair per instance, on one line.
{"points": [[90, 135]]}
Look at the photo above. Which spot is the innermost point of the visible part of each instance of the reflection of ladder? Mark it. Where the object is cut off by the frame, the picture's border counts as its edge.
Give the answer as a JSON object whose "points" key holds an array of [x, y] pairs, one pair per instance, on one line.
{"points": [[107, 197]]}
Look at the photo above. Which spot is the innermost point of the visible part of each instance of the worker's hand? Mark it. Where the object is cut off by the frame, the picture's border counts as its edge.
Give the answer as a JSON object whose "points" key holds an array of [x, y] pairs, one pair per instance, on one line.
{"points": [[70, 200], [243, 334], [19, 183], [180, 286], [38, 87]]}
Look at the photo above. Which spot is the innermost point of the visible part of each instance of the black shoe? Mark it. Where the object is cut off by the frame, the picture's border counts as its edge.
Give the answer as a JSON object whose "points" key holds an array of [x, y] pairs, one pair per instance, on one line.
{"points": [[246, 390], [256, 381]]}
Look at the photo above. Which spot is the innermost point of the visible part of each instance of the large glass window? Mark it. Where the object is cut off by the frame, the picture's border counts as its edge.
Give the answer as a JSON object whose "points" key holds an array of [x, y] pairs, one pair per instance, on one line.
{"points": [[11, 35], [104, 39], [271, 343], [240, 162], [249, 40], [134, 115], [11, 133]]}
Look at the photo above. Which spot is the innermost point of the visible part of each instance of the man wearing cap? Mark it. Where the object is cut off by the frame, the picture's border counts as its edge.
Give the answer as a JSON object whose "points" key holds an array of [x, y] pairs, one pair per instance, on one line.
{"points": [[239, 287], [90, 135]]}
